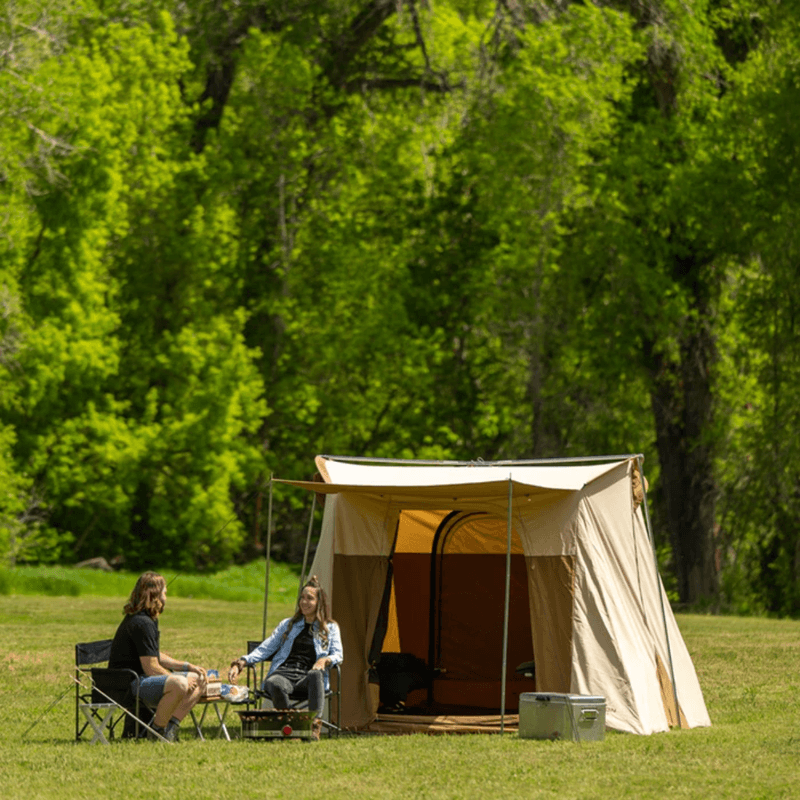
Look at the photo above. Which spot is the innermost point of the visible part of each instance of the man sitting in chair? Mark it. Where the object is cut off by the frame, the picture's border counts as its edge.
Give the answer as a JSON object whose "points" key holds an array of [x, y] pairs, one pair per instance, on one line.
{"points": [[302, 650], [170, 686]]}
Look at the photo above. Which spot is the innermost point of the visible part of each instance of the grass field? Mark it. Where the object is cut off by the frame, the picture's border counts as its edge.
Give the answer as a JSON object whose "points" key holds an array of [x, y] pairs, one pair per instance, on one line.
{"points": [[749, 670]]}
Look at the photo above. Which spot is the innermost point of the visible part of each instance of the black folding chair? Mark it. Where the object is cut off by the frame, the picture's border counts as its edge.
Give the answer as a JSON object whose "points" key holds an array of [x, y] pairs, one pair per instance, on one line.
{"points": [[108, 699], [331, 714]]}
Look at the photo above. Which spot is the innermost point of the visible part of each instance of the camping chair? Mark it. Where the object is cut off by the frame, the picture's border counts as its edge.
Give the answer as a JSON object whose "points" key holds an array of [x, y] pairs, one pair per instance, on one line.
{"points": [[104, 703], [331, 713]]}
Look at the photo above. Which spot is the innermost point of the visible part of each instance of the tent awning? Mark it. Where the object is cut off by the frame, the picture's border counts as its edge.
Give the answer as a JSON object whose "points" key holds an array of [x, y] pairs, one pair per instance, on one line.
{"points": [[449, 482]]}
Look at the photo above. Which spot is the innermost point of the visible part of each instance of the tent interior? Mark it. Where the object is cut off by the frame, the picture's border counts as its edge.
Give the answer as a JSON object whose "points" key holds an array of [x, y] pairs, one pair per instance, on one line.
{"points": [[439, 640]]}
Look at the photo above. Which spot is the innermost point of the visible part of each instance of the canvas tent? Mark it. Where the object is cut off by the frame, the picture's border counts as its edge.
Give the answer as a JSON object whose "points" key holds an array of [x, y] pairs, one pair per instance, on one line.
{"points": [[475, 568]]}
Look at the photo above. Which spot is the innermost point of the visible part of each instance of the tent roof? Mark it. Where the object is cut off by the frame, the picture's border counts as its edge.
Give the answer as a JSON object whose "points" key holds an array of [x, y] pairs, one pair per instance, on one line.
{"points": [[478, 478]]}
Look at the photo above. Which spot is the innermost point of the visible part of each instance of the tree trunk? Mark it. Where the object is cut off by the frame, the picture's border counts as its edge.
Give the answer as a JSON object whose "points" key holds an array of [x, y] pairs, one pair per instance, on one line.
{"points": [[682, 402]]}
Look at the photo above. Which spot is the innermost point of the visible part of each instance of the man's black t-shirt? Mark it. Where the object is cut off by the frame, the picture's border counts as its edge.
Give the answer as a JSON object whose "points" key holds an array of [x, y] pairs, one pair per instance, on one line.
{"points": [[136, 636]]}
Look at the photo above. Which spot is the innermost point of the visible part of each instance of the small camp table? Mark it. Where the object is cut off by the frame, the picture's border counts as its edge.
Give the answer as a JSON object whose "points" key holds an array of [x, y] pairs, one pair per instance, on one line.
{"points": [[206, 703]]}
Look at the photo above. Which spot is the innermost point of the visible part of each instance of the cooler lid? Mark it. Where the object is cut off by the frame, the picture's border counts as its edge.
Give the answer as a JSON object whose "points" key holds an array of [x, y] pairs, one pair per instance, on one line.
{"points": [[557, 697]]}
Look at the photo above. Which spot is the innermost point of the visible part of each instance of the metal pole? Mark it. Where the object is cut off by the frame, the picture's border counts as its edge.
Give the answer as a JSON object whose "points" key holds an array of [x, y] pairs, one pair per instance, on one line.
{"points": [[506, 614], [257, 522], [267, 550], [41, 716], [640, 463], [308, 542]]}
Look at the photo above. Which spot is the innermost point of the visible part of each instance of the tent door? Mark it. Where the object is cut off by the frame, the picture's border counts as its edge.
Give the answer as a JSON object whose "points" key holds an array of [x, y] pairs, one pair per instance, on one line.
{"points": [[466, 612]]}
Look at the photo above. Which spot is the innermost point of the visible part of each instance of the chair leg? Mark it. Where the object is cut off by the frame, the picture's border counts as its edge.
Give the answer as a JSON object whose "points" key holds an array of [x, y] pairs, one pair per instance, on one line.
{"points": [[98, 723]]}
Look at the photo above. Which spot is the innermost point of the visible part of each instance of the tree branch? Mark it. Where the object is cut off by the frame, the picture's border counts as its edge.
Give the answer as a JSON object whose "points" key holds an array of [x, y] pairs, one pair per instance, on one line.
{"points": [[335, 64], [363, 27], [359, 84]]}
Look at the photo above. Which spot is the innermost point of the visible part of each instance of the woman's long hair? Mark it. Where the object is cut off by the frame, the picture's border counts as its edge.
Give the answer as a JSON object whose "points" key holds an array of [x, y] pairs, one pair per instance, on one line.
{"points": [[146, 595], [322, 616]]}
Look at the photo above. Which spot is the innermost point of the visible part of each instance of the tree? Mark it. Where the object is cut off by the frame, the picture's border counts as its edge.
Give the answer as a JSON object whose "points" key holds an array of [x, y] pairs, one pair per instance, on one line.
{"points": [[759, 540], [651, 238], [136, 385]]}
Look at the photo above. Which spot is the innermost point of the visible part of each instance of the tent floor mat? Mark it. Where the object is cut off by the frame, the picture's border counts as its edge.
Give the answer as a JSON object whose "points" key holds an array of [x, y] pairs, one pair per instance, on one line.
{"points": [[442, 723]]}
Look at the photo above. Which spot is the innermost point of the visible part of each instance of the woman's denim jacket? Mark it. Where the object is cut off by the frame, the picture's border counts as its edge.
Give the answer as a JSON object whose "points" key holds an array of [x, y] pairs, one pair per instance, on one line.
{"points": [[272, 648]]}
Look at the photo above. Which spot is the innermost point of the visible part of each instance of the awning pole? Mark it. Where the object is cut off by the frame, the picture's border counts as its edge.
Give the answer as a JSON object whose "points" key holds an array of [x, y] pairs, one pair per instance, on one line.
{"points": [[308, 543], [640, 462], [506, 615], [267, 549]]}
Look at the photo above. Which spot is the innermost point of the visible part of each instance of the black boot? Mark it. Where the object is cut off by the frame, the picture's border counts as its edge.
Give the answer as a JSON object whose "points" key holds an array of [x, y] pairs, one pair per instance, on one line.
{"points": [[158, 730], [172, 730]]}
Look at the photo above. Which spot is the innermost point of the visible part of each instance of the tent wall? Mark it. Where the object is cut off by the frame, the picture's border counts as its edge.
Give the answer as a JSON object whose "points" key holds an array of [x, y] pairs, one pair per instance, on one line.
{"points": [[358, 582], [619, 619], [551, 581]]}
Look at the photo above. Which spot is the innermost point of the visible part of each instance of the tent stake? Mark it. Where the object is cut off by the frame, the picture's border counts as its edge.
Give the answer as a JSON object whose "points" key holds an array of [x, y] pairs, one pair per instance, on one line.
{"points": [[267, 549], [506, 614], [640, 462]]}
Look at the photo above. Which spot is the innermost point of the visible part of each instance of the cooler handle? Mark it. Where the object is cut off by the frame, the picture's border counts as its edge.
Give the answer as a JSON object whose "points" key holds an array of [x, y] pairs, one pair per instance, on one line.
{"points": [[589, 714]]}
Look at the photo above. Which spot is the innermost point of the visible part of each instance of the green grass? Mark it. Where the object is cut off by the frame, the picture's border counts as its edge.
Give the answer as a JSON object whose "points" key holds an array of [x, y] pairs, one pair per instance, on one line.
{"points": [[749, 670], [243, 584]]}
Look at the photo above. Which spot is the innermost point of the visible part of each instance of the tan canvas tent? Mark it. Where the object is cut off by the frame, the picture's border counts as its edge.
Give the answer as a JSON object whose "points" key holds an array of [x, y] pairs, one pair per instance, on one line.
{"points": [[475, 568]]}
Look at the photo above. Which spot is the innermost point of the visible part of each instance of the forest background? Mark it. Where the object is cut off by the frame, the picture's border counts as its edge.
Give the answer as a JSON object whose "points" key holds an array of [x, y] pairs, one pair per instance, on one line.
{"points": [[235, 234]]}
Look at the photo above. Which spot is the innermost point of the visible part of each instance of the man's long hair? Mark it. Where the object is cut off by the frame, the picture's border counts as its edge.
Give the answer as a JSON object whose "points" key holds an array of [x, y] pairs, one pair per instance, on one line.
{"points": [[146, 595], [323, 616]]}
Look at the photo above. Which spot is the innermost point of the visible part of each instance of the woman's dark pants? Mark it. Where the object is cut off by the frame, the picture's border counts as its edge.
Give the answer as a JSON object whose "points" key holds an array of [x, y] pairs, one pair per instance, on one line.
{"points": [[280, 690]]}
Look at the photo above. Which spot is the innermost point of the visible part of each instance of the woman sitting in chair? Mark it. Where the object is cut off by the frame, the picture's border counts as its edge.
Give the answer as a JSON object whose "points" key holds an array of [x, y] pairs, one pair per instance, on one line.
{"points": [[302, 649]]}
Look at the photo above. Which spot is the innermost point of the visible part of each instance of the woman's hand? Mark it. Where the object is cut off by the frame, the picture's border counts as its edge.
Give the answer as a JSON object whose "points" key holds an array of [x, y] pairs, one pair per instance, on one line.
{"points": [[321, 663], [236, 667]]}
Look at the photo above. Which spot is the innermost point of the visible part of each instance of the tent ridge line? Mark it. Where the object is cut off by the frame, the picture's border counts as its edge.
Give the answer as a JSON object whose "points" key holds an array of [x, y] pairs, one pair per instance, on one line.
{"points": [[482, 463]]}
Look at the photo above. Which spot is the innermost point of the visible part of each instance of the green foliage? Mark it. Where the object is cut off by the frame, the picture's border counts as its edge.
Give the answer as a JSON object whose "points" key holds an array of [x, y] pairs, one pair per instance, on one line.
{"points": [[131, 426], [761, 464], [235, 235]]}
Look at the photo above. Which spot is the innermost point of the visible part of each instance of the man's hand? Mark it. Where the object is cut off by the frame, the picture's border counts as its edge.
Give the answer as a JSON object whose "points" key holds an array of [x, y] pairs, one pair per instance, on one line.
{"points": [[321, 663], [197, 676]]}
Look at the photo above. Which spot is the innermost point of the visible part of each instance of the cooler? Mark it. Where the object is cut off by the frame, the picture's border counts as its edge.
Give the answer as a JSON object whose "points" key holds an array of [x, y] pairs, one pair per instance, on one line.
{"points": [[544, 715]]}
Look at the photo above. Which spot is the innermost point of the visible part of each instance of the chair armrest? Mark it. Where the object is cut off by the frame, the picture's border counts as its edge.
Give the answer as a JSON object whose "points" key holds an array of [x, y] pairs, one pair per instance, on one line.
{"points": [[114, 684], [336, 669], [254, 691]]}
